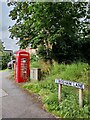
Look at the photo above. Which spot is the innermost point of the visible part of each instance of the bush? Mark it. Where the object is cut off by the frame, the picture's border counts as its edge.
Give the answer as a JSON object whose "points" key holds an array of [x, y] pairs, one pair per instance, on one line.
{"points": [[5, 60], [45, 53], [33, 58], [44, 66]]}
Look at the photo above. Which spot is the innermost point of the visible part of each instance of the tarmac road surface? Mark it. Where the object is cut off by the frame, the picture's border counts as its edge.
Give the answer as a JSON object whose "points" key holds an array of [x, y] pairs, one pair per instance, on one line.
{"points": [[17, 103]]}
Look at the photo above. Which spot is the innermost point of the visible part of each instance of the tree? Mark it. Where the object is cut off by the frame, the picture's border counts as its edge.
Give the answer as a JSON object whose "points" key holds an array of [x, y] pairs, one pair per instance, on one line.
{"points": [[86, 43], [1, 47], [4, 57], [1, 54], [55, 28]]}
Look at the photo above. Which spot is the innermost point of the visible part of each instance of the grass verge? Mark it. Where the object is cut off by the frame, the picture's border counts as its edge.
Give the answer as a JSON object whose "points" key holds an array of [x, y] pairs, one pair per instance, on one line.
{"points": [[47, 90]]}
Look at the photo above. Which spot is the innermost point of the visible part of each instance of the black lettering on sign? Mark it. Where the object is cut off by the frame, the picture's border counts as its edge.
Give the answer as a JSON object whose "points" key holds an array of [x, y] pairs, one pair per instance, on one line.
{"points": [[69, 83]]}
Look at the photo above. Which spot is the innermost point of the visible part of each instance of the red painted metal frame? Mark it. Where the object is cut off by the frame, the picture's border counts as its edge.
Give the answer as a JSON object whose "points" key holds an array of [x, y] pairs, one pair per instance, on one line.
{"points": [[18, 69]]}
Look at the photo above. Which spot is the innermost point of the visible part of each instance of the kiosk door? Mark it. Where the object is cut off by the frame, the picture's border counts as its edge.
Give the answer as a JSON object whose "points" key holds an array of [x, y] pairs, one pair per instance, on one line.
{"points": [[24, 72]]}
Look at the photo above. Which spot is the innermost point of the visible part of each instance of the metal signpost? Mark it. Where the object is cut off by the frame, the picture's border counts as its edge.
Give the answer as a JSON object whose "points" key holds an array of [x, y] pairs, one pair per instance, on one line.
{"points": [[61, 82]]}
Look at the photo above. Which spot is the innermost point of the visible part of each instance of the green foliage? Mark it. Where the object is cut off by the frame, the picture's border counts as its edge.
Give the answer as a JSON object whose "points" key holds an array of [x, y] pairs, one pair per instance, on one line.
{"points": [[1, 48], [77, 72], [44, 53], [5, 60], [4, 57], [47, 89], [34, 65], [86, 49], [1, 53], [44, 66], [55, 28], [33, 58]]}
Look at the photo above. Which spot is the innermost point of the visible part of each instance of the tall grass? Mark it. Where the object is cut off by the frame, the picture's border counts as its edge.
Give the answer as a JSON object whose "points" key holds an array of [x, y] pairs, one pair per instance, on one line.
{"points": [[47, 89]]}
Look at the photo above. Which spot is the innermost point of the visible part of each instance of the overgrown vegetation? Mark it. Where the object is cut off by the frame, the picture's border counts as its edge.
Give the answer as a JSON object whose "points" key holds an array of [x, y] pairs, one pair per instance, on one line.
{"points": [[5, 60], [60, 30], [47, 89], [4, 57], [40, 63]]}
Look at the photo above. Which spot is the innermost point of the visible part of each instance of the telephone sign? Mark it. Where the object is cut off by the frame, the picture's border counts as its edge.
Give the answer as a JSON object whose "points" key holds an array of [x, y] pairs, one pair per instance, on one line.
{"points": [[22, 69]]}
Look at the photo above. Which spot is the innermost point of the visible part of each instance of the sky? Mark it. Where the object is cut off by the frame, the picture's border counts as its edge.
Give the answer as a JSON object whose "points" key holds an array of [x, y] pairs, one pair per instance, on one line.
{"points": [[5, 22]]}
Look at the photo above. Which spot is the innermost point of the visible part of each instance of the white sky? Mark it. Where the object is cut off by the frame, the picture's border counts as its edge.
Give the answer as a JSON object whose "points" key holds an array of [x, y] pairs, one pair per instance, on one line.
{"points": [[5, 22]]}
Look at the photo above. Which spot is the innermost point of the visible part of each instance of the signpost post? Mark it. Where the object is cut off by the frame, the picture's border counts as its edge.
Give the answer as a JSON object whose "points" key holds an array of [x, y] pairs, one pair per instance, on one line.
{"points": [[59, 92], [80, 97], [61, 82]]}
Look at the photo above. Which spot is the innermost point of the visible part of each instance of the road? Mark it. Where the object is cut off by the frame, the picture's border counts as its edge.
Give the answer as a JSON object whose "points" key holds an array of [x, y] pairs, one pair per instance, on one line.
{"points": [[18, 103]]}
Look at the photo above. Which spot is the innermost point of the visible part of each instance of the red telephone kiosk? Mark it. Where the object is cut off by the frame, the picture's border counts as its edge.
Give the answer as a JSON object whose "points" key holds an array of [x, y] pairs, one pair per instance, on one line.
{"points": [[22, 68]]}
